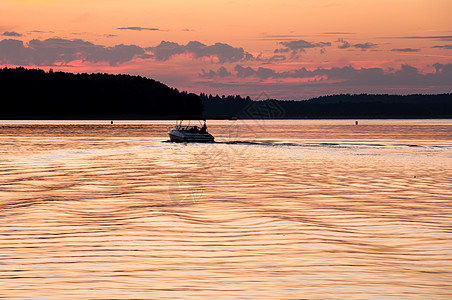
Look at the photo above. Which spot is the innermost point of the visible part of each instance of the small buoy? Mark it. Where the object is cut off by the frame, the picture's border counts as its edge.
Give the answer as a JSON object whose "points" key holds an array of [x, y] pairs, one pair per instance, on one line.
{"points": [[111, 122], [356, 122]]}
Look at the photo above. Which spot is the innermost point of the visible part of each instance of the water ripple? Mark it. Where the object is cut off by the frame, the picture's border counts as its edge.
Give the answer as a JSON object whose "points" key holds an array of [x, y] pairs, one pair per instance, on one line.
{"points": [[110, 213]]}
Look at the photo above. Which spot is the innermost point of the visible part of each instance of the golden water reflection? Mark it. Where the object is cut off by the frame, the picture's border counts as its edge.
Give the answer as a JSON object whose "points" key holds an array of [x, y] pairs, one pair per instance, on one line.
{"points": [[98, 212]]}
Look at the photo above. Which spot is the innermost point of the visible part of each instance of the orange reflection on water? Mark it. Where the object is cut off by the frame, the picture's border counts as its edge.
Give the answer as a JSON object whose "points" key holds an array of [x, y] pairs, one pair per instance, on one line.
{"points": [[105, 212]]}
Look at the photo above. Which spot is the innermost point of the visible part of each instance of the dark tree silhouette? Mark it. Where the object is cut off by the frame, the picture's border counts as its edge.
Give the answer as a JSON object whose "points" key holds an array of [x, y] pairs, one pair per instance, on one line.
{"points": [[334, 106], [34, 93]]}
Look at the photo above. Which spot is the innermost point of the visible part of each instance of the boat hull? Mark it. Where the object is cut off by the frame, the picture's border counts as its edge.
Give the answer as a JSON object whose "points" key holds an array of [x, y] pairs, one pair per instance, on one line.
{"points": [[185, 137]]}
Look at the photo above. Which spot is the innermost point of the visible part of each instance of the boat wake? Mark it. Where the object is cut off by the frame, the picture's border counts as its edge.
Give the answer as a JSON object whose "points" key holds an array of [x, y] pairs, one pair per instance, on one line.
{"points": [[328, 144], [421, 145]]}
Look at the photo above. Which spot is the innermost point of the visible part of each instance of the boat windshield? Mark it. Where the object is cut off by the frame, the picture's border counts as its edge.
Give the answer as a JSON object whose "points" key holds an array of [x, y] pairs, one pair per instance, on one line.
{"points": [[187, 128], [191, 128]]}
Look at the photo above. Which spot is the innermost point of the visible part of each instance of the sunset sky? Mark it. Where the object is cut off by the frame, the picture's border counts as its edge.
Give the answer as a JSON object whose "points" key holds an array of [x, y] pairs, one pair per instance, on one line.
{"points": [[285, 49]]}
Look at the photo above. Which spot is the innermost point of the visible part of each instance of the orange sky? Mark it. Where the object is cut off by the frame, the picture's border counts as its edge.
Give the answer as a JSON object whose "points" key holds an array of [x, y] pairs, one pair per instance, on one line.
{"points": [[341, 39]]}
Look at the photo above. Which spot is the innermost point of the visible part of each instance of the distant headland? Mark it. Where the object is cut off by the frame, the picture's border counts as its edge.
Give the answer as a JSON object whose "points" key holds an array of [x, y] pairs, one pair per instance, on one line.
{"points": [[344, 106], [36, 94]]}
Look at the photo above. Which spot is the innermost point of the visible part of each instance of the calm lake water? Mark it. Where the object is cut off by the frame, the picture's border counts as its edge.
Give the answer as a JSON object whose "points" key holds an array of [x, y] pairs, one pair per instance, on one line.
{"points": [[275, 209]]}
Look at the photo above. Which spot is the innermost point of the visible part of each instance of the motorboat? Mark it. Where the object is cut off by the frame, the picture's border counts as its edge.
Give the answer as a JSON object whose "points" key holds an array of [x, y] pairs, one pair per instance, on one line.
{"points": [[190, 133]]}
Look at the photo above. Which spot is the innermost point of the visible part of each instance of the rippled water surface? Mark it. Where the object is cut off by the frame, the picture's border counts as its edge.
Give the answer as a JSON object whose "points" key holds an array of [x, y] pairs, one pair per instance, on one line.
{"points": [[271, 210]]}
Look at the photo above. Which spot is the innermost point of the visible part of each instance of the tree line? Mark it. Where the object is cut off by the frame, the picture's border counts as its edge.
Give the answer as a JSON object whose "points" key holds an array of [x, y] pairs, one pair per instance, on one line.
{"points": [[34, 93], [332, 106]]}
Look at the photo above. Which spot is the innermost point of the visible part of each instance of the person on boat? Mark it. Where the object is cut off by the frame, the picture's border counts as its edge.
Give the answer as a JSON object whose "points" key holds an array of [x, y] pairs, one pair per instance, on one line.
{"points": [[203, 128]]}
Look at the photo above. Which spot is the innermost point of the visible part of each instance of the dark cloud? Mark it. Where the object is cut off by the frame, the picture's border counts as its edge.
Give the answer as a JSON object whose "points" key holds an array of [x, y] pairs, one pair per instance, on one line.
{"points": [[362, 46], [245, 71], [11, 34], [223, 52], [282, 50], [265, 73], [221, 73], [138, 28], [444, 69], [40, 31], [262, 73], [61, 51], [428, 37], [165, 50], [344, 44], [275, 58], [447, 47], [365, 46], [406, 50], [406, 75], [299, 46], [302, 45], [338, 33], [14, 52]]}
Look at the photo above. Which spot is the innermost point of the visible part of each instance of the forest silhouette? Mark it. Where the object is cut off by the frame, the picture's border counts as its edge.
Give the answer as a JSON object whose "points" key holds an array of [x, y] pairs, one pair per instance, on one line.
{"points": [[36, 94], [333, 106]]}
